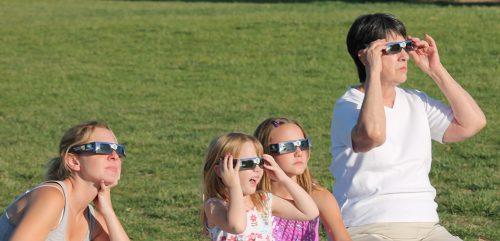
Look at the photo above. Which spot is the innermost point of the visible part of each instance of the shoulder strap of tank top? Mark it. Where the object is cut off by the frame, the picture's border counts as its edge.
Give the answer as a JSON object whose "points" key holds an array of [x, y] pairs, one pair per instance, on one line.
{"points": [[91, 218], [65, 192]]}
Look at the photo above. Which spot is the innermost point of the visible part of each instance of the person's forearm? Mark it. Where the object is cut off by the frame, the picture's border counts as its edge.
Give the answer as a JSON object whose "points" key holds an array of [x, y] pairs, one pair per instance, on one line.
{"points": [[115, 228], [334, 227], [236, 214], [466, 111], [330, 216], [369, 131], [303, 201]]}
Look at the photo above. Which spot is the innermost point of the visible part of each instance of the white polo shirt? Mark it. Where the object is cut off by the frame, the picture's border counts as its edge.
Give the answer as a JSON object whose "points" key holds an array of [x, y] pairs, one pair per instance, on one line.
{"points": [[389, 183]]}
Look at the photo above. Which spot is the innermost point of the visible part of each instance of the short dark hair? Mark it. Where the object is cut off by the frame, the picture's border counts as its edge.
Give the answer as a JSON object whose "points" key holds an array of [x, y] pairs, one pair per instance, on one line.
{"points": [[368, 28]]}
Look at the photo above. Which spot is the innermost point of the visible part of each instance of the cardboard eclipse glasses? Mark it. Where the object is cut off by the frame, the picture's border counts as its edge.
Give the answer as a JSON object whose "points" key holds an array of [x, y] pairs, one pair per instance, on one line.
{"points": [[99, 148], [290, 146], [396, 47], [247, 163]]}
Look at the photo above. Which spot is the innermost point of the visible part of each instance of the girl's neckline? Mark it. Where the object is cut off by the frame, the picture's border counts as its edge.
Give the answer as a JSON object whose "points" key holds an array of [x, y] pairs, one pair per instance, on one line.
{"points": [[286, 199], [247, 204]]}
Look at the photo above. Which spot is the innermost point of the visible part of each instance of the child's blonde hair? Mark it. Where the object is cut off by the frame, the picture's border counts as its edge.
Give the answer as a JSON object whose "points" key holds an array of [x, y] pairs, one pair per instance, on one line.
{"points": [[213, 187], [263, 134]]}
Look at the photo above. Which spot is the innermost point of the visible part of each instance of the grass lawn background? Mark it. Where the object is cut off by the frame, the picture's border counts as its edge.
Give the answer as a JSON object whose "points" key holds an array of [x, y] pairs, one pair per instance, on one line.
{"points": [[169, 76]]}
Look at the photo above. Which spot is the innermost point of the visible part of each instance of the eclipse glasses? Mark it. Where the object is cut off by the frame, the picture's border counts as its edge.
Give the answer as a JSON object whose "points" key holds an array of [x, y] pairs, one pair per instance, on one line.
{"points": [[396, 47], [247, 163], [290, 146], [99, 148]]}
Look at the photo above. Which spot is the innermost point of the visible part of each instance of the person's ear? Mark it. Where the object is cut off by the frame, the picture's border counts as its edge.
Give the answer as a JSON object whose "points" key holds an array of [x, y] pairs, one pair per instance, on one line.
{"points": [[217, 170], [360, 56], [72, 162]]}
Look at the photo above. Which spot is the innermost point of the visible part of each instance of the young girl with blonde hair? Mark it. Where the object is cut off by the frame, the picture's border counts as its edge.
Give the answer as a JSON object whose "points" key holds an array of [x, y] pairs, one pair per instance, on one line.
{"points": [[288, 143], [234, 206]]}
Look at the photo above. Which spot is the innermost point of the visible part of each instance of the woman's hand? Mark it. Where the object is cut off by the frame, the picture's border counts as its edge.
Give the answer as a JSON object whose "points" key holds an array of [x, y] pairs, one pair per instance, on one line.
{"points": [[426, 55], [110, 228], [103, 199], [371, 56]]}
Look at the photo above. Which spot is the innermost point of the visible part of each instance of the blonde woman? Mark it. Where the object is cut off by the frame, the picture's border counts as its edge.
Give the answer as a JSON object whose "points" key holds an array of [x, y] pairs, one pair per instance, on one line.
{"points": [[88, 166]]}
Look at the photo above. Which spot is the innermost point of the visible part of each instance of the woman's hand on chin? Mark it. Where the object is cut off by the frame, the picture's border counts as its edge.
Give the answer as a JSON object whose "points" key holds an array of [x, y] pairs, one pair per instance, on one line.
{"points": [[103, 199]]}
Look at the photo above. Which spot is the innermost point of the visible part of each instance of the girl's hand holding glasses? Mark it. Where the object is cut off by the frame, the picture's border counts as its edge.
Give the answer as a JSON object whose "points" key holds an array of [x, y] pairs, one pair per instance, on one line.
{"points": [[273, 169], [229, 172]]}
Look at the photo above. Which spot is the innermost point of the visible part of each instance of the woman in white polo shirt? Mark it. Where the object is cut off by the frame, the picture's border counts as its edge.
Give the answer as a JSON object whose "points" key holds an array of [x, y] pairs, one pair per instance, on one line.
{"points": [[381, 134]]}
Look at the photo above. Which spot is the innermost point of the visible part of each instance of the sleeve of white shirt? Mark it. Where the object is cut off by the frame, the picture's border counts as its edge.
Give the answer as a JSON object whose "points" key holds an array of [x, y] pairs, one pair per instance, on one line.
{"points": [[439, 115], [345, 115]]}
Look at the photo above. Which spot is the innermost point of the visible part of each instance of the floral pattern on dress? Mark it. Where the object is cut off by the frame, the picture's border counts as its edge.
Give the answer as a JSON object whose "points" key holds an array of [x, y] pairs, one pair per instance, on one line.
{"points": [[258, 226]]}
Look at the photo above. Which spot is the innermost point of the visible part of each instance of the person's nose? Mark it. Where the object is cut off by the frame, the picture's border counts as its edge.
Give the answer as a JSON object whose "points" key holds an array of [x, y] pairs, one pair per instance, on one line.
{"points": [[298, 151], [404, 55], [258, 168], [114, 156]]}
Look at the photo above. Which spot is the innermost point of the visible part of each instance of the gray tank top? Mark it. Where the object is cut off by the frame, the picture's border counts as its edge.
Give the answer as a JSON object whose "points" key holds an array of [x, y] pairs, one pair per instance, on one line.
{"points": [[58, 234]]}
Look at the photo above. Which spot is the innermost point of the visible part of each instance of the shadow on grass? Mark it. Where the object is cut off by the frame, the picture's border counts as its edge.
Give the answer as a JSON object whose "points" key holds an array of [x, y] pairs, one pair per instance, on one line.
{"points": [[440, 3]]}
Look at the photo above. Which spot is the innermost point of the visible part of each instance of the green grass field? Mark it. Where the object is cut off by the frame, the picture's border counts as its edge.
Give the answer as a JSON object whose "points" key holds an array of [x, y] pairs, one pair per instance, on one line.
{"points": [[169, 76]]}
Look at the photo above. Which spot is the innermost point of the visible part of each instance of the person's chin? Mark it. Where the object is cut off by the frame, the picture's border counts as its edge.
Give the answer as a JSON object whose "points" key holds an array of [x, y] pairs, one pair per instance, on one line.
{"points": [[111, 180], [249, 190], [402, 80], [404, 76], [300, 165]]}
